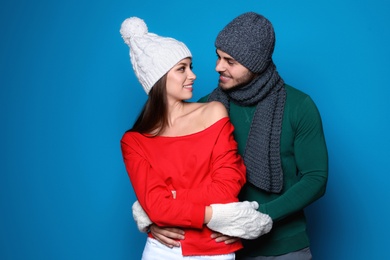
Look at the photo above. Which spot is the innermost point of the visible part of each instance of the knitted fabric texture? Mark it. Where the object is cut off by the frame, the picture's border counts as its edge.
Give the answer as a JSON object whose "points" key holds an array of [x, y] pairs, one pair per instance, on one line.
{"points": [[152, 56], [249, 39], [239, 219], [262, 151]]}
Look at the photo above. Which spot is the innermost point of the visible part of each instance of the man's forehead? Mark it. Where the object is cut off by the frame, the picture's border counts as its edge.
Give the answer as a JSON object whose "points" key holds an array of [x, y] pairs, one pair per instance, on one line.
{"points": [[224, 55]]}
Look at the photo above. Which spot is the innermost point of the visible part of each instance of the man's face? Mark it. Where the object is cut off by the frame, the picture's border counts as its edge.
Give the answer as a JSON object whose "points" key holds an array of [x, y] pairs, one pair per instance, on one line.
{"points": [[231, 73]]}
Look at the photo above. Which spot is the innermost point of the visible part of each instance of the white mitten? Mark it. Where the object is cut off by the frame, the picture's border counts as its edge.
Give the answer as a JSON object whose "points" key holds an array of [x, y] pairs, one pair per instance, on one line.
{"points": [[140, 217], [239, 219]]}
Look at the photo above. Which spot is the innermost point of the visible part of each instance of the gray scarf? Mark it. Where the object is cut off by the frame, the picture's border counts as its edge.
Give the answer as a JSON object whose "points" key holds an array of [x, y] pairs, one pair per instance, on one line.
{"points": [[262, 151]]}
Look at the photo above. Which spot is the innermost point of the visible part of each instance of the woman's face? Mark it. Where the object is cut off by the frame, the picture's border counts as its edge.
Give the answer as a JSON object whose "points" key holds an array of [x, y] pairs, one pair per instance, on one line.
{"points": [[180, 80]]}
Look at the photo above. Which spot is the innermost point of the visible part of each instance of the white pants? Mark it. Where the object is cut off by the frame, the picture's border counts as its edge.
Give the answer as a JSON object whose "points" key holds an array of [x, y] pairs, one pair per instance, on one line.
{"points": [[154, 250]]}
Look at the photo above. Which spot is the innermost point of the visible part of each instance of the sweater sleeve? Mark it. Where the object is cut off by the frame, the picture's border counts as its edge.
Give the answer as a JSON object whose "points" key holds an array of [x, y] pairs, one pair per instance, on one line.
{"points": [[152, 192], [227, 173], [311, 161]]}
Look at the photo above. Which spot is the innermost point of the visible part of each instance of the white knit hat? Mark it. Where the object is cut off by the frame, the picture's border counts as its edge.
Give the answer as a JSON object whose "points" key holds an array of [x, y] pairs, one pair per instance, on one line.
{"points": [[152, 56]]}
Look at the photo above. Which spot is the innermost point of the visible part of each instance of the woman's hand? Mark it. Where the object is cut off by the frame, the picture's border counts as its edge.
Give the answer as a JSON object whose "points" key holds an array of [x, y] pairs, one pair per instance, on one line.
{"points": [[167, 236]]}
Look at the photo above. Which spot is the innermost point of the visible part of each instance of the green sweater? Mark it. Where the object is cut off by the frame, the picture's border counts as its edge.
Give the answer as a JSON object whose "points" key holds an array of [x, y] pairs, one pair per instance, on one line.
{"points": [[305, 167]]}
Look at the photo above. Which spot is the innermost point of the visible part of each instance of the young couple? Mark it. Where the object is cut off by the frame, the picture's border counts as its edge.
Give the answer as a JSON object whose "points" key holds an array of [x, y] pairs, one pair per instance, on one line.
{"points": [[242, 163]]}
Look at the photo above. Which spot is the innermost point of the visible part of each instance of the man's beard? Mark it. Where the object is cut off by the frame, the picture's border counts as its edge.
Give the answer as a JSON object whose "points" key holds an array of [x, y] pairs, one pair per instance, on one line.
{"points": [[241, 82]]}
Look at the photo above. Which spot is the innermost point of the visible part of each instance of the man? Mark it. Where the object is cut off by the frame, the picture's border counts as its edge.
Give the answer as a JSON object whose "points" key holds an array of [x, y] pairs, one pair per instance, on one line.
{"points": [[279, 133]]}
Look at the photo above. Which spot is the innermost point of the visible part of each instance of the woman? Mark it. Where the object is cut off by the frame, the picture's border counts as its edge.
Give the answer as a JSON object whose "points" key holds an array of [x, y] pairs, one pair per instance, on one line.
{"points": [[181, 157]]}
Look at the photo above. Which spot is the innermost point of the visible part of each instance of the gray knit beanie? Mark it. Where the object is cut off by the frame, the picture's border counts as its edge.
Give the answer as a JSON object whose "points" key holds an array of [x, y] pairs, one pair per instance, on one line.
{"points": [[250, 40]]}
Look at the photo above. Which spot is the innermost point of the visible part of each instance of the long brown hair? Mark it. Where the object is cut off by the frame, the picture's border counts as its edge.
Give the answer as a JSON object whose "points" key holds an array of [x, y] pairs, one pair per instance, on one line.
{"points": [[153, 117]]}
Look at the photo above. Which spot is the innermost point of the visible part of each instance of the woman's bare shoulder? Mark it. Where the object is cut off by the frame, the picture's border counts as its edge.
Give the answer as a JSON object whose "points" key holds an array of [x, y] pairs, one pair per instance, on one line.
{"points": [[213, 111], [216, 108]]}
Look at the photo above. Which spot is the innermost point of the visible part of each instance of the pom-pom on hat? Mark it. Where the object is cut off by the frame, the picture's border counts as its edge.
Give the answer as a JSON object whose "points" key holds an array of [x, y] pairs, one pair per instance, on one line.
{"points": [[152, 56], [250, 40]]}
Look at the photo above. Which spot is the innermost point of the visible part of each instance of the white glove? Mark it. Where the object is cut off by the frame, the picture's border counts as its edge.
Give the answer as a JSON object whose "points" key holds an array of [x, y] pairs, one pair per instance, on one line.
{"points": [[140, 217], [239, 219]]}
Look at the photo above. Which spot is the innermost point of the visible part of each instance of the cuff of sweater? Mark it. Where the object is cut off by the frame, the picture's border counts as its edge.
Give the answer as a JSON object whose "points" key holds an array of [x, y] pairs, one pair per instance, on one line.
{"points": [[198, 211]]}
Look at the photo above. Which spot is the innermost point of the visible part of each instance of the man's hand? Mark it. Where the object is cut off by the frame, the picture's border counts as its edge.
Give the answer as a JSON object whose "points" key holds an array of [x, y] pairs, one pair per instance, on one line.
{"points": [[218, 237], [140, 217], [167, 236], [239, 219]]}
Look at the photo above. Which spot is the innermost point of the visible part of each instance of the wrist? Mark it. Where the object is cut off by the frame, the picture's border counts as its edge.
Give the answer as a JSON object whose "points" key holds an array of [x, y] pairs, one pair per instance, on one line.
{"points": [[208, 213]]}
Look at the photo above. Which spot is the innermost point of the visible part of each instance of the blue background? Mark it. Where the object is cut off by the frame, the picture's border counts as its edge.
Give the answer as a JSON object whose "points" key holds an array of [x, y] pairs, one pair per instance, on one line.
{"points": [[68, 93]]}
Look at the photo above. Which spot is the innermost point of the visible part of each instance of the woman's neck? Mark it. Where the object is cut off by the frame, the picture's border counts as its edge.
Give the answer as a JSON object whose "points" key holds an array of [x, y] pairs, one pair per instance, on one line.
{"points": [[176, 110]]}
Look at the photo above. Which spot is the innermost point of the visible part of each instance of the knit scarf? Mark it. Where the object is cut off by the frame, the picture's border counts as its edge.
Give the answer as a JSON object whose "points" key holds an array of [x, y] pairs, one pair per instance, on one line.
{"points": [[262, 151]]}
